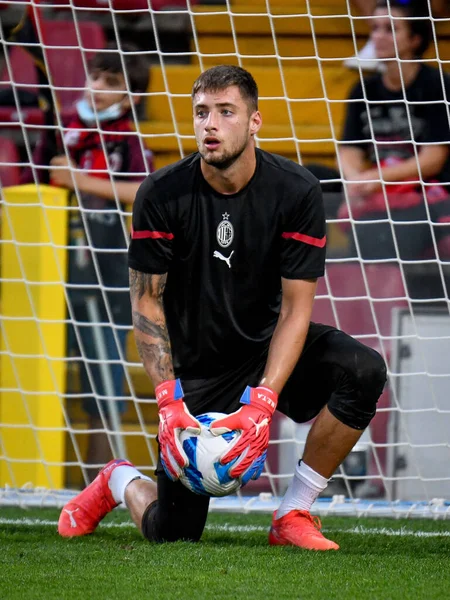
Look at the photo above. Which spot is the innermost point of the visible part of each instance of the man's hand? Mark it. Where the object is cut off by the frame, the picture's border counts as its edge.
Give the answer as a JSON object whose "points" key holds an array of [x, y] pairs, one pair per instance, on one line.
{"points": [[173, 418], [63, 177], [253, 420]]}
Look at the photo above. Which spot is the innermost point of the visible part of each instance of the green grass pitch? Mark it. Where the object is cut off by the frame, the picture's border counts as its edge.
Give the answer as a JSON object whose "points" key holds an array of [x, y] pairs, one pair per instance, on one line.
{"points": [[379, 559]]}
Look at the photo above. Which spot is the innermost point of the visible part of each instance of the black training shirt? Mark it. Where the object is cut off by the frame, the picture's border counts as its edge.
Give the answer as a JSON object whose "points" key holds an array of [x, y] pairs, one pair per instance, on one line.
{"points": [[225, 255]]}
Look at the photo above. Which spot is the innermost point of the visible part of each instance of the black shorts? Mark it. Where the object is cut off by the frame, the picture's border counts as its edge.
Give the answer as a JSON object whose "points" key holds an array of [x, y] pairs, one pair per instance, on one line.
{"points": [[305, 393], [334, 370]]}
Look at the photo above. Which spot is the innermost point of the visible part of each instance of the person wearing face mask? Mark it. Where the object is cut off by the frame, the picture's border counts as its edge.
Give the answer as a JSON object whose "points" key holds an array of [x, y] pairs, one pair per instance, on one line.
{"points": [[103, 165]]}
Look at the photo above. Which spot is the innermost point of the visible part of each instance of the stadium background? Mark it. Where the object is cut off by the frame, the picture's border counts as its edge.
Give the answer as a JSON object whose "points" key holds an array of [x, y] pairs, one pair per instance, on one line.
{"points": [[292, 57]]}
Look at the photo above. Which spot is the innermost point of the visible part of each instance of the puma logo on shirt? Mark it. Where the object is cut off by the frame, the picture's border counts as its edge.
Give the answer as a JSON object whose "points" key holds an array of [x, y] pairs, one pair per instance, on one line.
{"points": [[220, 256]]}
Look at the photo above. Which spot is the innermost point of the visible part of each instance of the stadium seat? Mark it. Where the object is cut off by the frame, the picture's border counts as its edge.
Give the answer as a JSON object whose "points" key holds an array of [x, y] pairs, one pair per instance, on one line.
{"points": [[9, 173], [364, 311], [66, 67]]}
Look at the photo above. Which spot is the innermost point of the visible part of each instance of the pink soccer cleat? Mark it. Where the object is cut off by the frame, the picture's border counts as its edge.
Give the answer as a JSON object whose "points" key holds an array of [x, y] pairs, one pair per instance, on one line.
{"points": [[299, 528], [81, 515]]}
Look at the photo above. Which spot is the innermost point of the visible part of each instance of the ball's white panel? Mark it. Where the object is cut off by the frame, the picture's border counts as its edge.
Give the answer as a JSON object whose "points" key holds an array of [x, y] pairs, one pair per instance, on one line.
{"points": [[205, 475]]}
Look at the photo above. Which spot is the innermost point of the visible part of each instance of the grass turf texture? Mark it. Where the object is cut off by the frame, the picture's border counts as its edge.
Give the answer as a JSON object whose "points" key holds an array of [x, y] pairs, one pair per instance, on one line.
{"points": [[379, 559]]}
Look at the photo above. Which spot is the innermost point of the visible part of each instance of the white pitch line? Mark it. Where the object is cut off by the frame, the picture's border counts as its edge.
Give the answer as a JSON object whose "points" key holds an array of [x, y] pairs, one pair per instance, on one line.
{"points": [[359, 529]]}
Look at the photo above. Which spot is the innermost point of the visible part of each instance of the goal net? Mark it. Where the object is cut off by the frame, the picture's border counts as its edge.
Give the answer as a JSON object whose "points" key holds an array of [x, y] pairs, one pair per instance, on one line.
{"points": [[72, 389]]}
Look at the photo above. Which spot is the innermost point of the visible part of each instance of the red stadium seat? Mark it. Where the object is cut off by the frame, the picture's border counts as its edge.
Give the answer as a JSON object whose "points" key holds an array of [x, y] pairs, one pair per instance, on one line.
{"points": [[65, 65], [363, 311], [9, 173]]}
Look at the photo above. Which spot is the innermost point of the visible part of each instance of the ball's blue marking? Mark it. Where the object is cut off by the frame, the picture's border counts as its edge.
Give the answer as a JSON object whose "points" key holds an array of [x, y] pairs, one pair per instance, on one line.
{"points": [[229, 437], [206, 420], [193, 474], [190, 447], [222, 472]]}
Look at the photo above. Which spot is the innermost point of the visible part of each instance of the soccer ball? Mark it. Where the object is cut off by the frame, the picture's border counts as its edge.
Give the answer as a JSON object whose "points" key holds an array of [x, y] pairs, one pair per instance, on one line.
{"points": [[205, 475]]}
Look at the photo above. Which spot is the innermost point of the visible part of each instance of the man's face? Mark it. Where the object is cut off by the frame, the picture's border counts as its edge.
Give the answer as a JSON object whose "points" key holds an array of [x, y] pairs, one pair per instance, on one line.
{"points": [[105, 89], [383, 30], [223, 125]]}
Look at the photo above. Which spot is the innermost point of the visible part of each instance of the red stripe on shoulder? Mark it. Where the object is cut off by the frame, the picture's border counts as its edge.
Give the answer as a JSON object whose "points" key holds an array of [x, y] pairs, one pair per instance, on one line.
{"points": [[153, 235], [307, 239]]}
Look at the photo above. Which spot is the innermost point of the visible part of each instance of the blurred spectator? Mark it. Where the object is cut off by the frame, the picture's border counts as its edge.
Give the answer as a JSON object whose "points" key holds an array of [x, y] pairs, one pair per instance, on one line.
{"points": [[402, 123], [404, 111], [367, 58], [109, 166]]}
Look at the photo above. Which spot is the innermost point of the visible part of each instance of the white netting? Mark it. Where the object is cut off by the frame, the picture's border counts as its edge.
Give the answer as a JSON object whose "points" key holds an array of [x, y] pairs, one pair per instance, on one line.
{"points": [[295, 51]]}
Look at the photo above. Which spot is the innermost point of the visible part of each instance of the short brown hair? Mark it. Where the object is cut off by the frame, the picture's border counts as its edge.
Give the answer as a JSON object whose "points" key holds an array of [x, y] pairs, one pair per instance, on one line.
{"points": [[110, 60], [225, 76]]}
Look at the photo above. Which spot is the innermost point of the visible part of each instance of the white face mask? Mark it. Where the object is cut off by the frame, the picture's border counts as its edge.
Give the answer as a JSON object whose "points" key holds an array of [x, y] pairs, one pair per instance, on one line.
{"points": [[89, 116]]}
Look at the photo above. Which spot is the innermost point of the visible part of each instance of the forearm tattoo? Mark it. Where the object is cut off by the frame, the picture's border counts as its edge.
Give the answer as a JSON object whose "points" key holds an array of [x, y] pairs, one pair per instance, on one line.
{"points": [[145, 325], [141, 283], [151, 334], [156, 356]]}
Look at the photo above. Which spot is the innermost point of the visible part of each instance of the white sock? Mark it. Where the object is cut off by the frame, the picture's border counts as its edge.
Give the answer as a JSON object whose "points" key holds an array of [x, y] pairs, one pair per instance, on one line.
{"points": [[304, 488], [120, 478]]}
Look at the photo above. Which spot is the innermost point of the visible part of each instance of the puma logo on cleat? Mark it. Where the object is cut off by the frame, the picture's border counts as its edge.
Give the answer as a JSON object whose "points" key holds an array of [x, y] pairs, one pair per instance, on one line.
{"points": [[220, 256], [264, 423], [73, 523]]}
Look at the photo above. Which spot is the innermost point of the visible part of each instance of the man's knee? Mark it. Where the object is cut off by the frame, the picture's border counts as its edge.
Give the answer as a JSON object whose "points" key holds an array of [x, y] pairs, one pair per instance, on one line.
{"points": [[370, 371], [364, 377], [156, 527]]}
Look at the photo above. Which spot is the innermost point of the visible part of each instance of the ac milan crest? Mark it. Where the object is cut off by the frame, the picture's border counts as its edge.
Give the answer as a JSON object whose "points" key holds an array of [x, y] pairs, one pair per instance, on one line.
{"points": [[225, 231]]}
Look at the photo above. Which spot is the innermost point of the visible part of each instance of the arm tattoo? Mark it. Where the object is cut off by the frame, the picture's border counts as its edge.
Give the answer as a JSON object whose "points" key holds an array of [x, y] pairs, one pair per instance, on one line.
{"points": [[152, 337], [143, 324], [140, 283], [154, 354]]}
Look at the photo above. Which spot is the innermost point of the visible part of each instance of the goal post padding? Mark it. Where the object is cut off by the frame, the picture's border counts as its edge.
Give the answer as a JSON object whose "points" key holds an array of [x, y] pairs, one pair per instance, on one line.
{"points": [[33, 336]]}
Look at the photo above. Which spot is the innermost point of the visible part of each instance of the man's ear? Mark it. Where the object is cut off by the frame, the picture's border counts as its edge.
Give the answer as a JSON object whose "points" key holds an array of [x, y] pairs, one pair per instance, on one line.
{"points": [[255, 122]]}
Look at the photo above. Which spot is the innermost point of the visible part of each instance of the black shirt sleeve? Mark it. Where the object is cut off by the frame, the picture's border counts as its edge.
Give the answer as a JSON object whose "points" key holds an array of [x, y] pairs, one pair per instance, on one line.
{"points": [[353, 130], [304, 237], [151, 244], [436, 115]]}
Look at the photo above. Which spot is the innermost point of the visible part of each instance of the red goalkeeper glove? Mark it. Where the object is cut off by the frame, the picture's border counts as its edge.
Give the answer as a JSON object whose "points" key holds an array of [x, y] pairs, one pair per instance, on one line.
{"points": [[173, 417], [253, 420]]}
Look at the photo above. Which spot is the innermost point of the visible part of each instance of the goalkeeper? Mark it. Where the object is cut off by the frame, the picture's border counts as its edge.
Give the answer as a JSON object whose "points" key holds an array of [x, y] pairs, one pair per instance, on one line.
{"points": [[227, 245], [98, 142]]}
